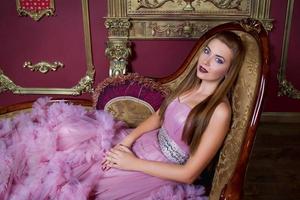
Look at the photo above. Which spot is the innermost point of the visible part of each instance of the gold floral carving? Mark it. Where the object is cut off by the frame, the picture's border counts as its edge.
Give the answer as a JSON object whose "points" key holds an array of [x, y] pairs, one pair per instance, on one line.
{"points": [[85, 84], [118, 50], [226, 4], [7, 84], [193, 7], [117, 26], [151, 4], [186, 29], [223, 4], [251, 25], [118, 53], [286, 88], [36, 15], [43, 66]]}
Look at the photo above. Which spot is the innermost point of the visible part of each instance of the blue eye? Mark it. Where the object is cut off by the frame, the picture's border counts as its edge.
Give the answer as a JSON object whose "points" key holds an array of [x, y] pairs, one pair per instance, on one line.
{"points": [[206, 50], [219, 60]]}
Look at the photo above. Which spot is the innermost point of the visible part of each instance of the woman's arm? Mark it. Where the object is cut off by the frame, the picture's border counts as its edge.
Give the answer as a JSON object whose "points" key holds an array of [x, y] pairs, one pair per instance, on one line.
{"points": [[151, 123], [211, 141]]}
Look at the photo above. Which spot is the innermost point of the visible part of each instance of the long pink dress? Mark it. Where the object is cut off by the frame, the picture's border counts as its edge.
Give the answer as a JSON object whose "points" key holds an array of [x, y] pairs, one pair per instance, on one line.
{"points": [[55, 152]]}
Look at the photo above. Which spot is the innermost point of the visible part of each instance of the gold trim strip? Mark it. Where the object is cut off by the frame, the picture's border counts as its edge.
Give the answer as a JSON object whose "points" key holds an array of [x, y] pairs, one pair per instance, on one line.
{"points": [[286, 88], [84, 84], [87, 34]]}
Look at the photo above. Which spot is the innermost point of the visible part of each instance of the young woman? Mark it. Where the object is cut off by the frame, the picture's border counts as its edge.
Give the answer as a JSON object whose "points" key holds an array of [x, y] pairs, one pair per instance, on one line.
{"points": [[61, 152]]}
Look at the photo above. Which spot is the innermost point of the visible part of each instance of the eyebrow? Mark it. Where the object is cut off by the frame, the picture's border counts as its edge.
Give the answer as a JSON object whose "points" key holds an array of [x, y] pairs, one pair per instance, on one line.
{"points": [[221, 57], [216, 54]]}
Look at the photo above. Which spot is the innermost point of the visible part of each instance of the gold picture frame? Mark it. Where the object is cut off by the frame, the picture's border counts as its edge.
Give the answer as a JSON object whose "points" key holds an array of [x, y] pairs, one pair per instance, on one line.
{"points": [[85, 84]]}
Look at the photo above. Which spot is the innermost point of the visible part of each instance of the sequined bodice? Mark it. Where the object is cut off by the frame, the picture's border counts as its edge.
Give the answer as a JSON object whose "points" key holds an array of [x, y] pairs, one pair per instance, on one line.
{"points": [[170, 134]]}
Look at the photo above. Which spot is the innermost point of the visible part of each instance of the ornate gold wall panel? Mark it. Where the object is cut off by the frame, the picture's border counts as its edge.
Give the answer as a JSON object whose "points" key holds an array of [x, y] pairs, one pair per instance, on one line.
{"points": [[175, 19], [286, 88], [193, 7], [83, 85]]}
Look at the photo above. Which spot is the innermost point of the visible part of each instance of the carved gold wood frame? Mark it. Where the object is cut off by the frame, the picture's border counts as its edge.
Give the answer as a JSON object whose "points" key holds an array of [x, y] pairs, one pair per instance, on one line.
{"points": [[84, 84], [286, 88], [36, 15], [171, 19]]}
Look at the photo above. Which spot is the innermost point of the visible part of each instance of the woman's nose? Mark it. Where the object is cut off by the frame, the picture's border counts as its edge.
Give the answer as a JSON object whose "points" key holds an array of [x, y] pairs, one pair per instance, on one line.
{"points": [[207, 60]]}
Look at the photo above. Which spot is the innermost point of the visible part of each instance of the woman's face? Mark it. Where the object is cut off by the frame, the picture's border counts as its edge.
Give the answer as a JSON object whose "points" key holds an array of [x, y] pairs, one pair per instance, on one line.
{"points": [[214, 61]]}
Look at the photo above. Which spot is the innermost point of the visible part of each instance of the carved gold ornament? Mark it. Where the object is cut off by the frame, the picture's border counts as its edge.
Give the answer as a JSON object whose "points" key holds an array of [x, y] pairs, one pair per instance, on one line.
{"points": [[184, 30], [118, 26], [226, 4], [7, 84], [148, 4], [189, 6], [251, 25], [286, 88], [118, 53], [85, 84], [35, 9], [43, 66]]}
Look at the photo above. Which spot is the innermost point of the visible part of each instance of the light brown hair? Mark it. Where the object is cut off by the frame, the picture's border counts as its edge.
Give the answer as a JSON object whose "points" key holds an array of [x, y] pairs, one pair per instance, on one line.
{"points": [[199, 117]]}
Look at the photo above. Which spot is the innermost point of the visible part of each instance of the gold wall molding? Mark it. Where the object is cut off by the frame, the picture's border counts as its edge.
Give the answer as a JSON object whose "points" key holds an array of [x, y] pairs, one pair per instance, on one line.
{"points": [[85, 84], [36, 14], [43, 66], [286, 88], [129, 20]]}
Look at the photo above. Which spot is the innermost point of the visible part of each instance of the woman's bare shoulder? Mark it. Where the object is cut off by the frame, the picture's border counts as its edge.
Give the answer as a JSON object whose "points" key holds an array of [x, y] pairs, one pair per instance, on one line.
{"points": [[223, 110]]}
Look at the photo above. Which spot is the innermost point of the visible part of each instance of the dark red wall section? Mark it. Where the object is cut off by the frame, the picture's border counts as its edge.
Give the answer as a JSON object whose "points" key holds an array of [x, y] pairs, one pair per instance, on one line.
{"points": [[60, 38]]}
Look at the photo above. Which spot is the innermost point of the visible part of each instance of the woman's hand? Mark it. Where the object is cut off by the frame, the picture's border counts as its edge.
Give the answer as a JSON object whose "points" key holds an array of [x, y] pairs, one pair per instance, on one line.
{"points": [[117, 156], [121, 158]]}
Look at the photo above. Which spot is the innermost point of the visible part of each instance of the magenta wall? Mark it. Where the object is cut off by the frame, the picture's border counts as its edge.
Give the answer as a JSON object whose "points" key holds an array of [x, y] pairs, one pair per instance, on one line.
{"points": [[58, 38], [275, 103], [61, 38]]}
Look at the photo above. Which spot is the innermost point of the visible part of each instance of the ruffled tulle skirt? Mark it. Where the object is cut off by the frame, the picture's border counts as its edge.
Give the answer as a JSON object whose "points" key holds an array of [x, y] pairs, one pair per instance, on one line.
{"points": [[55, 151]]}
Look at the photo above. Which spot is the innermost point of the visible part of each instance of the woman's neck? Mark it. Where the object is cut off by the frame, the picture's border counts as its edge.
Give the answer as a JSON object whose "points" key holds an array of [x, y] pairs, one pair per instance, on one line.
{"points": [[206, 88]]}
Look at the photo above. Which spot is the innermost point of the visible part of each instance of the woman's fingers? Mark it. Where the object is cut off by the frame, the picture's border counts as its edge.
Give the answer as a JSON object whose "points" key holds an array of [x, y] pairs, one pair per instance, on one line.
{"points": [[124, 148], [110, 158], [104, 165], [114, 155]]}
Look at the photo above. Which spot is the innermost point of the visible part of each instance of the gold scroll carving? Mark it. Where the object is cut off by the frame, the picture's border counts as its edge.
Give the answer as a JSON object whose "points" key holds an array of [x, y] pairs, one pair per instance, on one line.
{"points": [[43, 66]]}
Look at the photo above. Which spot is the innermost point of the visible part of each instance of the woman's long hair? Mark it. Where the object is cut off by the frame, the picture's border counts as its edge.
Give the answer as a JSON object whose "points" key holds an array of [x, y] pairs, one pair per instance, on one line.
{"points": [[199, 117]]}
